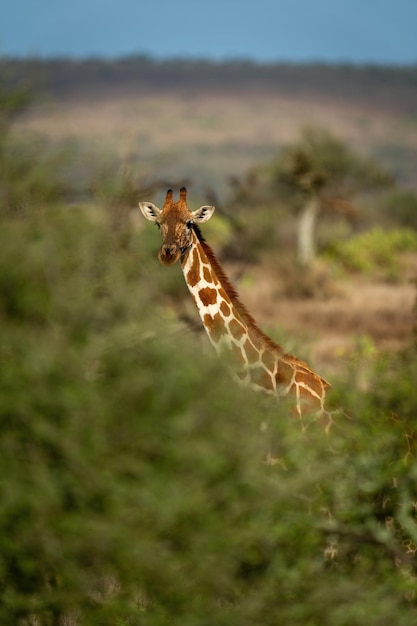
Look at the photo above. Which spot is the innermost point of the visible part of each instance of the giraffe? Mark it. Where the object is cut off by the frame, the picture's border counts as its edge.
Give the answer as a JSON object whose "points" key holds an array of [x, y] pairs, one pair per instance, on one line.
{"points": [[254, 357]]}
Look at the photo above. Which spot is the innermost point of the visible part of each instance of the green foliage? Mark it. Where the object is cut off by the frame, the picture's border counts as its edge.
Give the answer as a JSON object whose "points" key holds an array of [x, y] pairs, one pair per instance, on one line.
{"points": [[72, 314], [321, 162], [400, 208], [13, 100], [132, 483], [33, 172], [373, 252], [318, 166]]}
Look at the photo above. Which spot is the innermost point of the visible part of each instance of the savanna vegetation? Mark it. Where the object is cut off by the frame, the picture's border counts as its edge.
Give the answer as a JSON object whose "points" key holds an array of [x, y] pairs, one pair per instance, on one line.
{"points": [[389, 86], [133, 486]]}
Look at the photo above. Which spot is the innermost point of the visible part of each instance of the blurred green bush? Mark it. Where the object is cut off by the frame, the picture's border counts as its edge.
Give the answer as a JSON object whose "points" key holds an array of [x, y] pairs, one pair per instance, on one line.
{"points": [[374, 252], [132, 485], [399, 208]]}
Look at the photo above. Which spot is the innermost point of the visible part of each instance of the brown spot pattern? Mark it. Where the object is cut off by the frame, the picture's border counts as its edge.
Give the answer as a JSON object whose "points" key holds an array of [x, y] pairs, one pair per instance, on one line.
{"points": [[236, 329], [225, 309], [208, 277], [251, 353], [259, 376], [233, 356], [208, 296], [284, 373], [269, 359], [215, 326], [193, 275], [312, 381], [309, 403]]}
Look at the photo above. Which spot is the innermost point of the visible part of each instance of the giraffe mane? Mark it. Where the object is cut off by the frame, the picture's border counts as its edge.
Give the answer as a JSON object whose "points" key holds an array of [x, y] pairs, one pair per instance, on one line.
{"points": [[242, 310], [231, 291]]}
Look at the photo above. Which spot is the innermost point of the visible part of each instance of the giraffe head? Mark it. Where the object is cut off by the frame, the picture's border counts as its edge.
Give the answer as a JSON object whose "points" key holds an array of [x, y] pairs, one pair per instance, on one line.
{"points": [[175, 222]]}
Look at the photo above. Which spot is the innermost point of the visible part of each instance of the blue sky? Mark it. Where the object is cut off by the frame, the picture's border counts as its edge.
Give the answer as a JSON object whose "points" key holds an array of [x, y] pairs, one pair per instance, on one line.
{"points": [[357, 31]]}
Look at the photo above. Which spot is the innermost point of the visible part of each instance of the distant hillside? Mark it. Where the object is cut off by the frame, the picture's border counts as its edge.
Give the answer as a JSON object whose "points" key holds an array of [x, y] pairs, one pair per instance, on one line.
{"points": [[209, 122], [388, 88]]}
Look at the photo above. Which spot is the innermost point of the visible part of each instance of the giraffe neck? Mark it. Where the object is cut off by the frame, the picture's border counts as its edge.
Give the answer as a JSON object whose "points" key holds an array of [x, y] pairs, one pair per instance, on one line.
{"points": [[253, 356]]}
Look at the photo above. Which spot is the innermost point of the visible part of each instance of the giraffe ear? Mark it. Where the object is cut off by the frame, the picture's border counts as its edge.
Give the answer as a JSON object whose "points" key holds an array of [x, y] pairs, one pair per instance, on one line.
{"points": [[203, 214], [149, 210]]}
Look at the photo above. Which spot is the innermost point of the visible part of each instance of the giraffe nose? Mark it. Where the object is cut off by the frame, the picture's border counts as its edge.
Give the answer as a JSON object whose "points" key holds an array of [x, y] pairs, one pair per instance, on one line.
{"points": [[169, 250], [169, 254]]}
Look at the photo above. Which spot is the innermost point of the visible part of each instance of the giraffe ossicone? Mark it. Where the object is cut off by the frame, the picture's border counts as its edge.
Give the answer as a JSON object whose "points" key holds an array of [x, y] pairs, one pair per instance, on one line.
{"points": [[255, 359]]}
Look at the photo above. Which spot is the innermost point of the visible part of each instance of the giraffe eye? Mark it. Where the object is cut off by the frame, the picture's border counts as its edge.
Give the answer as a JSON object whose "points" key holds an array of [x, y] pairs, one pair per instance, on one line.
{"points": [[189, 223]]}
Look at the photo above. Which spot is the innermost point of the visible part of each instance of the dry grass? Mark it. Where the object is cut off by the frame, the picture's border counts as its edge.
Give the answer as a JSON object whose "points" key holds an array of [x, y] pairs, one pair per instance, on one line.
{"points": [[210, 136]]}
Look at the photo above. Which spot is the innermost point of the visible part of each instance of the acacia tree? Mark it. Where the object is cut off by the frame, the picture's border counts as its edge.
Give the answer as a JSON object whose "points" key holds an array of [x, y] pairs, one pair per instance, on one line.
{"points": [[320, 172]]}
